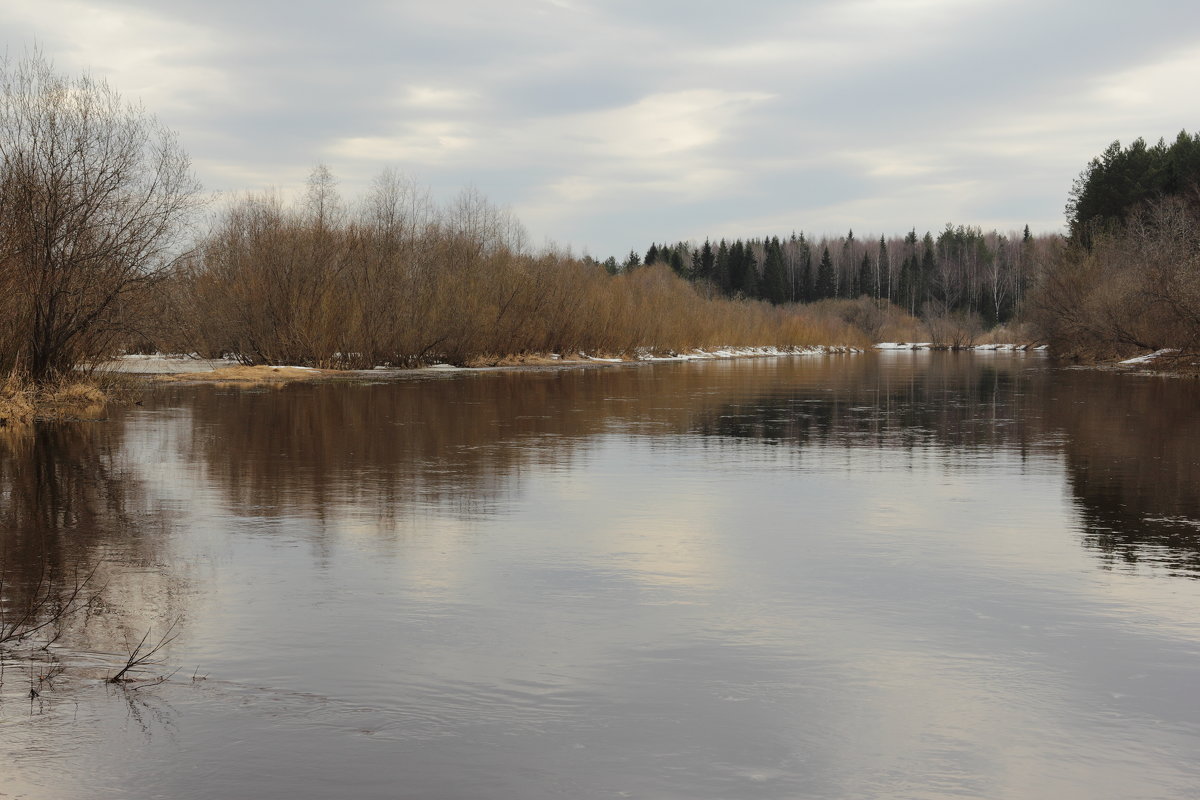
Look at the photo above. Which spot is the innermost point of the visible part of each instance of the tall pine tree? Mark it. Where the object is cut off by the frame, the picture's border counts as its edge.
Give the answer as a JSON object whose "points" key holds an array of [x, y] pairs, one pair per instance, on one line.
{"points": [[774, 278], [824, 287]]}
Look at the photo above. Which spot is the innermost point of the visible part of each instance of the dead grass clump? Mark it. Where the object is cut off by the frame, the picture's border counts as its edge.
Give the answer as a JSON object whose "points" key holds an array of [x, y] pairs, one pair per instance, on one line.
{"points": [[22, 401], [16, 402], [81, 397], [515, 360]]}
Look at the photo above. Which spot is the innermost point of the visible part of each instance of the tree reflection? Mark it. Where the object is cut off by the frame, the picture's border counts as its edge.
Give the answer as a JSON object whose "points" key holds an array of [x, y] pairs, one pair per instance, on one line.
{"points": [[74, 515], [1132, 448]]}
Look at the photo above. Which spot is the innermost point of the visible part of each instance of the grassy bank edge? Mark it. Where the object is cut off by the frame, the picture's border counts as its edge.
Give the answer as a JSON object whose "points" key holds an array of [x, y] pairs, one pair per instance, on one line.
{"points": [[79, 397]]}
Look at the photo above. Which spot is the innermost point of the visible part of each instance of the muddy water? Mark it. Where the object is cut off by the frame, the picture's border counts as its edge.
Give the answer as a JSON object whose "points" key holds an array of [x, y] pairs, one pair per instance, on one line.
{"points": [[895, 575]]}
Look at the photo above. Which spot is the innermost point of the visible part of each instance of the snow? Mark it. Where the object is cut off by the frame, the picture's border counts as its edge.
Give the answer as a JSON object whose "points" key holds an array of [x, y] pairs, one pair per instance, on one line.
{"points": [[1149, 356], [163, 364], [1005, 348]]}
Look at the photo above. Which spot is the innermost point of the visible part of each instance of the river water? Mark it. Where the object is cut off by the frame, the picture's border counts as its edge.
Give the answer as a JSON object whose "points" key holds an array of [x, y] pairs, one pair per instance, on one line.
{"points": [[895, 575]]}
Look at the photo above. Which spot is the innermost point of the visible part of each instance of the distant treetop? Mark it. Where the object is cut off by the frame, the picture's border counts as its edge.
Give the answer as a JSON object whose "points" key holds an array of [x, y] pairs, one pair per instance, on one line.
{"points": [[1120, 180]]}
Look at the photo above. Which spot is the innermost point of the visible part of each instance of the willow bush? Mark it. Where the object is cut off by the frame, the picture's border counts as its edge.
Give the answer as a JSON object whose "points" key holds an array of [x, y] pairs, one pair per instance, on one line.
{"points": [[394, 279]]}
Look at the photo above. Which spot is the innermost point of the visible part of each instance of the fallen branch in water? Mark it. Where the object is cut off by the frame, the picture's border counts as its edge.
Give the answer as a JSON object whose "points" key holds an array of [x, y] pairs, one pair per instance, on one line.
{"points": [[141, 656], [45, 608]]}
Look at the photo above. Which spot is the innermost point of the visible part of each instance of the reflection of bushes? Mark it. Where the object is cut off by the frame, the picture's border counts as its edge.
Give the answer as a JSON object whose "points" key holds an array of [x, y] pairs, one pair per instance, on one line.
{"points": [[463, 441], [1131, 461], [70, 510]]}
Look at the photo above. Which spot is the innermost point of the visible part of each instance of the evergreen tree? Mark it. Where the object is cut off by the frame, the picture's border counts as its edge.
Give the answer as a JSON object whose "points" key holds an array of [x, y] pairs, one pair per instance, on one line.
{"points": [[1120, 180], [676, 262], [632, 261], [749, 273], [707, 262], [906, 292], [651, 254], [721, 268], [774, 278], [737, 268], [865, 280], [804, 281], [927, 271], [824, 287]]}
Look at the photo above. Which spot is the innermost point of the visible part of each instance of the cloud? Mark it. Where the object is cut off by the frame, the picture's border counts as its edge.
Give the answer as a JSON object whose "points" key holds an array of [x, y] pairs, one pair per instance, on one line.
{"points": [[610, 124]]}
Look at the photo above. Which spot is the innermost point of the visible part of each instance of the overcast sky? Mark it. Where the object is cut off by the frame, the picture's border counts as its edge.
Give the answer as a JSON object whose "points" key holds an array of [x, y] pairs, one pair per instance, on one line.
{"points": [[608, 124]]}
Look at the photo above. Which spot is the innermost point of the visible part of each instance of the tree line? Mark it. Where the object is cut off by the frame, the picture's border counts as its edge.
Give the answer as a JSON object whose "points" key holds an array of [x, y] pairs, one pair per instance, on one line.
{"points": [[960, 271]]}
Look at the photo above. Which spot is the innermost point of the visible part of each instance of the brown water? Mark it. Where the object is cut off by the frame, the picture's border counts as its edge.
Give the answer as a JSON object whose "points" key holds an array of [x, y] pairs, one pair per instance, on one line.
{"points": [[896, 575]]}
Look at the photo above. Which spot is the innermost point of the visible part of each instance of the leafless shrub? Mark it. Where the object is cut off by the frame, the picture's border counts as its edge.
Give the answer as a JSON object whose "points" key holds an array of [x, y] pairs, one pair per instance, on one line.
{"points": [[954, 330], [395, 280], [93, 194], [1134, 290]]}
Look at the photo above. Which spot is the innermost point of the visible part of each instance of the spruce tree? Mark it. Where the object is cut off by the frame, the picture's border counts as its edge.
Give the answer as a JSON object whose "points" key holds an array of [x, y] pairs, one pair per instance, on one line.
{"points": [[707, 261], [804, 288], [928, 271], [721, 268], [737, 268], [676, 262], [774, 279], [865, 281], [824, 287]]}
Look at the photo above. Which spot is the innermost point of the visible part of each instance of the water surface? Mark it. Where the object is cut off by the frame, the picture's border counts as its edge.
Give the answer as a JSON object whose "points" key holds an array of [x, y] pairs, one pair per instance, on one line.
{"points": [[895, 575]]}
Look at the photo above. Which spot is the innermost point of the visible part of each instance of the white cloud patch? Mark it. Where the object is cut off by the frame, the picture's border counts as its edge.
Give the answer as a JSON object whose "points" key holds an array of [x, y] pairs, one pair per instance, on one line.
{"points": [[425, 142]]}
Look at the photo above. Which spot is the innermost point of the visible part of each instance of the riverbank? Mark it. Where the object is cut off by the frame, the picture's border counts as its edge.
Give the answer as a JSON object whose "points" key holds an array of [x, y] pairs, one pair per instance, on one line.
{"points": [[174, 368], [22, 402], [1167, 361]]}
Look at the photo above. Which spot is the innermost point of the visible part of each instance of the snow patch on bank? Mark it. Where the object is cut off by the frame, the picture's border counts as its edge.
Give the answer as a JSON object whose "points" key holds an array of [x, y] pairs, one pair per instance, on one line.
{"points": [[1146, 359], [700, 354], [1003, 348], [175, 364]]}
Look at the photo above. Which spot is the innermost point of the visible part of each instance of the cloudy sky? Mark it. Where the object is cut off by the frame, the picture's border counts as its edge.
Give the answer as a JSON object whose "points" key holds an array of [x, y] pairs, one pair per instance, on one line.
{"points": [[606, 124]]}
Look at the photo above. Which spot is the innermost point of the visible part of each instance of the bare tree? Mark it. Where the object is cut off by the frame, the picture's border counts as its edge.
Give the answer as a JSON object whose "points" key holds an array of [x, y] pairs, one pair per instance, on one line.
{"points": [[94, 193]]}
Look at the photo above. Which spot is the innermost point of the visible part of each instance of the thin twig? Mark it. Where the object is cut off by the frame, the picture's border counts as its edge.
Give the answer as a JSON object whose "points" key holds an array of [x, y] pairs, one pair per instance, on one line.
{"points": [[139, 658]]}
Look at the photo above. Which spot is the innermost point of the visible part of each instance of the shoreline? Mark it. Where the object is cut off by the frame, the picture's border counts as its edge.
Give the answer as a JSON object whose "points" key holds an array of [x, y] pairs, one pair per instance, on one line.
{"points": [[1166, 363], [159, 368]]}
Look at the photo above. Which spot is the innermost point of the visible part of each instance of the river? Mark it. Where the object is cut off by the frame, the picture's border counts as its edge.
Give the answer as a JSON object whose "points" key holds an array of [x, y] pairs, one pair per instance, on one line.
{"points": [[892, 575]]}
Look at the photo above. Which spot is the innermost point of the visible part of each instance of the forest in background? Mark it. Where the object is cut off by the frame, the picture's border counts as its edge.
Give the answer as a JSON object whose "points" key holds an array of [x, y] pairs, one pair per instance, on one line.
{"points": [[961, 271]]}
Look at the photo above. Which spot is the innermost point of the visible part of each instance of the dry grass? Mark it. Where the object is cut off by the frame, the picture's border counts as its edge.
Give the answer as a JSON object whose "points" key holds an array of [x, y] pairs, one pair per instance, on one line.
{"points": [[22, 401], [519, 360], [249, 375], [16, 402], [1010, 333]]}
